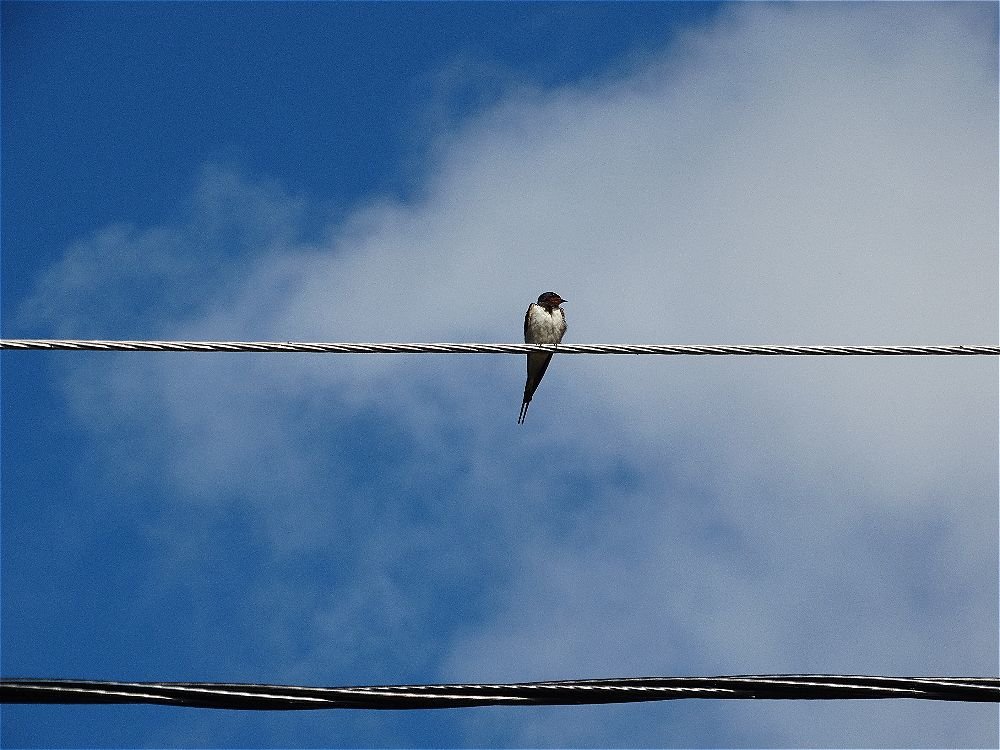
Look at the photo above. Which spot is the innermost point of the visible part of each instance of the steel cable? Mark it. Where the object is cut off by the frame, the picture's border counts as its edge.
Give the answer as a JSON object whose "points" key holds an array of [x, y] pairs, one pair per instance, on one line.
{"points": [[564, 692], [445, 348]]}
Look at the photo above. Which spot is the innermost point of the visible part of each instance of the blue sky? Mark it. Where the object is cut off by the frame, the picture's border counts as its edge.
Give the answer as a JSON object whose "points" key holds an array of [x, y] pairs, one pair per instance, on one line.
{"points": [[802, 173]]}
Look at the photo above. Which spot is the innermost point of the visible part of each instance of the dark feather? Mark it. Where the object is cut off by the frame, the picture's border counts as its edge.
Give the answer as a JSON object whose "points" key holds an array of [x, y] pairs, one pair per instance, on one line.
{"points": [[538, 363]]}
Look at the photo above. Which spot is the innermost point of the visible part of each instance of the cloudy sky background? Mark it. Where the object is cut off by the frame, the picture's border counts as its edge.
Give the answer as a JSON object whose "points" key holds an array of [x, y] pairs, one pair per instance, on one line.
{"points": [[801, 174]]}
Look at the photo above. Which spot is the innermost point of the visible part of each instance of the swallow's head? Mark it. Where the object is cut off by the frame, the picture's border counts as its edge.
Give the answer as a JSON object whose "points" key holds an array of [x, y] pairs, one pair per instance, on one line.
{"points": [[550, 300]]}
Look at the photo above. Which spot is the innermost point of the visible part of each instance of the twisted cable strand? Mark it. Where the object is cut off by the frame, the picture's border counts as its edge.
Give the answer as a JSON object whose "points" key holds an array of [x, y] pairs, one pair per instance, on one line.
{"points": [[563, 692], [446, 348]]}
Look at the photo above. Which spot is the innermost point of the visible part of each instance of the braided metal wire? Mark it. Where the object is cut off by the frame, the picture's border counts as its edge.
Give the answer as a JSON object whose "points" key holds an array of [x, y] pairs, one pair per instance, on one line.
{"points": [[566, 692], [391, 348]]}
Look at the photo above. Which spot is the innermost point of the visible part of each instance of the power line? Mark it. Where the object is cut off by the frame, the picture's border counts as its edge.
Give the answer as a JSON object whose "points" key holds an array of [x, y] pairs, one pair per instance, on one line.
{"points": [[352, 348], [563, 692]]}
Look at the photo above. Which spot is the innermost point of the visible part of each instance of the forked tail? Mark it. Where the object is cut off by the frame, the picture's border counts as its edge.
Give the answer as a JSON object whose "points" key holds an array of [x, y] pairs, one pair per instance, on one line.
{"points": [[524, 409]]}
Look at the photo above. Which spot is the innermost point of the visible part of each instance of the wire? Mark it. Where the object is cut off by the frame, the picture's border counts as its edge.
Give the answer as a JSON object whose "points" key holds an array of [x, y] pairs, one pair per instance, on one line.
{"points": [[350, 348], [564, 692]]}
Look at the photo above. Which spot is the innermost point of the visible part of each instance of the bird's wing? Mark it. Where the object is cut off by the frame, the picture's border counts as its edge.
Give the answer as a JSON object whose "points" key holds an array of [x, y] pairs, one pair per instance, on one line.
{"points": [[527, 316], [538, 363]]}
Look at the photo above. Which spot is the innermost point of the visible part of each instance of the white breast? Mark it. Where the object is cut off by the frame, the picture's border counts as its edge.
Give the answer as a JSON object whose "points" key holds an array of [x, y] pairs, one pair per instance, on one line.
{"points": [[544, 327]]}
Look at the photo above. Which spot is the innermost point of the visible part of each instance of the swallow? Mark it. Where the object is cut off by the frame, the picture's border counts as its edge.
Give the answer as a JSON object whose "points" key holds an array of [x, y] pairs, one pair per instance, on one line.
{"points": [[544, 323]]}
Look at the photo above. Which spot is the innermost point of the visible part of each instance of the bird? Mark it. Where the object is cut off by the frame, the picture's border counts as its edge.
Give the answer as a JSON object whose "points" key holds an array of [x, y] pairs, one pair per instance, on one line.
{"points": [[544, 323]]}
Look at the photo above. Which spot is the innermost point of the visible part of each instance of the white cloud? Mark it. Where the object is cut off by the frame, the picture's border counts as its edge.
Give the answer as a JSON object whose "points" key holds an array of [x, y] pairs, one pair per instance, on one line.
{"points": [[803, 174]]}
